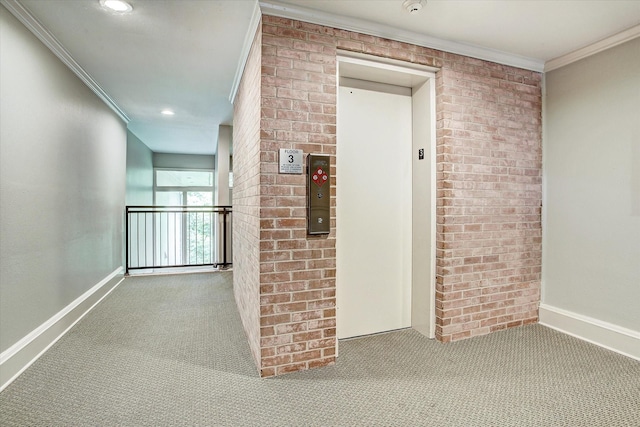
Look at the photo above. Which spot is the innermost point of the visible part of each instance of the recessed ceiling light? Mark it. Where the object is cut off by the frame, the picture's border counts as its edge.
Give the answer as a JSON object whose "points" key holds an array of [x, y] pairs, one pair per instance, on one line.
{"points": [[167, 112], [413, 6], [116, 5]]}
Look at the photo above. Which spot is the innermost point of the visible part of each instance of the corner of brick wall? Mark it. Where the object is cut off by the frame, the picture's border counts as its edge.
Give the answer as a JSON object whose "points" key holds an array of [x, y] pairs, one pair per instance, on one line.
{"points": [[297, 271], [246, 198]]}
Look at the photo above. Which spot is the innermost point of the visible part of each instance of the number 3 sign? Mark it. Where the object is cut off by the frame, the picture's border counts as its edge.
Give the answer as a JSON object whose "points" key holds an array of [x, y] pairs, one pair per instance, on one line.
{"points": [[290, 161]]}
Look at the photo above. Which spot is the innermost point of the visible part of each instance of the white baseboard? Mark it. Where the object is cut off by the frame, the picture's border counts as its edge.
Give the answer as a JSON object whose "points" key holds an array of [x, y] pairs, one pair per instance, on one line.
{"points": [[613, 337], [18, 357]]}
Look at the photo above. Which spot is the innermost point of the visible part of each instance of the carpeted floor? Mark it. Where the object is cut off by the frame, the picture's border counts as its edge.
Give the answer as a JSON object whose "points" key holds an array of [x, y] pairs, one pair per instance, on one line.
{"points": [[170, 351]]}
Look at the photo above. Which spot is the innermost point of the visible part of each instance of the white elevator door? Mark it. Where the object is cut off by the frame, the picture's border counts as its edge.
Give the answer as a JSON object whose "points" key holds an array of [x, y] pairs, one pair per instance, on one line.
{"points": [[373, 203]]}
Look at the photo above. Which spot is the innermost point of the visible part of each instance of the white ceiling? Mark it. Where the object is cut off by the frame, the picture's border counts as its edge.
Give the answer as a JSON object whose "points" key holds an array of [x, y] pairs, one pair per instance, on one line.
{"points": [[177, 54], [184, 54], [537, 29]]}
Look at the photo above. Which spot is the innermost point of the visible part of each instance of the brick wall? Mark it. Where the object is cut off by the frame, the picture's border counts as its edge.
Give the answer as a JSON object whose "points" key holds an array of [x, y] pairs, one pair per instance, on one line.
{"points": [[246, 197], [489, 195], [488, 201], [297, 272]]}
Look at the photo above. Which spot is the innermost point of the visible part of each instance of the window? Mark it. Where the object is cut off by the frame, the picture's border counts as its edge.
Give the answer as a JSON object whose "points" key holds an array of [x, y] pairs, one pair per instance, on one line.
{"points": [[175, 187], [189, 234], [183, 178]]}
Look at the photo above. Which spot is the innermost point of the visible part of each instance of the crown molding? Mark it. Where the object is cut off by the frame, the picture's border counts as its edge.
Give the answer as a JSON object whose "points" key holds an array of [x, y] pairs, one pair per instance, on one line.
{"points": [[592, 49], [29, 21], [274, 8], [246, 48]]}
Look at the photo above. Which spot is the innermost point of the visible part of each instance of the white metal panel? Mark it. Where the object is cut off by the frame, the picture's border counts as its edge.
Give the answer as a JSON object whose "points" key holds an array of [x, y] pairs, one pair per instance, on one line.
{"points": [[424, 206]]}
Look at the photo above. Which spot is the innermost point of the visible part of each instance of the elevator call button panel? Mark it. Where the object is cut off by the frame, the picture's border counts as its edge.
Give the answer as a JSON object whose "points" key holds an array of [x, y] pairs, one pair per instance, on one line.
{"points": [[319, 191]]}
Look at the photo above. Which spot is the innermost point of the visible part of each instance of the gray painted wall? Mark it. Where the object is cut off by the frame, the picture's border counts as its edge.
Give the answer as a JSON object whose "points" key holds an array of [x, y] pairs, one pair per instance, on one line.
{"points": [[62, 185], [139, 172], [591, 252], [183, 161]]}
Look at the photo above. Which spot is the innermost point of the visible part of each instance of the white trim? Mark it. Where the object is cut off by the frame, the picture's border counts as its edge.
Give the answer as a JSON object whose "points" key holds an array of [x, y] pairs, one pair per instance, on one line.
{"points": [[275, 8], [543, 211], [63, 317], [386, 63], [421, 74], [592, 49], [29, 21], [613, 337], [246, 48], [434, 207]]}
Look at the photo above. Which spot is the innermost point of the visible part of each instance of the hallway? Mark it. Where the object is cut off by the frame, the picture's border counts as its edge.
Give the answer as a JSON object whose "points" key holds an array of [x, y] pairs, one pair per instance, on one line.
{"points": [[170, 350]]}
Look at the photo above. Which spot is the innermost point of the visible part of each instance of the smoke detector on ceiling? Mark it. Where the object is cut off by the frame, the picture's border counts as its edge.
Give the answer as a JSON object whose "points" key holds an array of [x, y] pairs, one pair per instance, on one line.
{"points": [[413, 6]]}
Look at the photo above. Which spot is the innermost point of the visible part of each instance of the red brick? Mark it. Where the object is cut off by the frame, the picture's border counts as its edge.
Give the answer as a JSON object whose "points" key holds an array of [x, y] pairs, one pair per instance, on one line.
{"points": [[307, 355], [275, 320], [322, 362], [307, 336], [290, 307], [276, 360], [307, 315], [275, 340], [292, 348], [327, 342], [290, 287], [267, 372], [275, 298], [307, 296], [291, 327], [280, 370]]}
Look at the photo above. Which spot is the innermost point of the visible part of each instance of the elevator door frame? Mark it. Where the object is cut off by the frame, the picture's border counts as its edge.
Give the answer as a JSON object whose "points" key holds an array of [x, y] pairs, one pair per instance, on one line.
{"points": [[421, 80]]}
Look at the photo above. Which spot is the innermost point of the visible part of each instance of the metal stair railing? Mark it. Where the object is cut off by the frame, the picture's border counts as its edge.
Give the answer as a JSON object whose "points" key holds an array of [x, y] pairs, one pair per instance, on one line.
{"points": [[177, 236]]}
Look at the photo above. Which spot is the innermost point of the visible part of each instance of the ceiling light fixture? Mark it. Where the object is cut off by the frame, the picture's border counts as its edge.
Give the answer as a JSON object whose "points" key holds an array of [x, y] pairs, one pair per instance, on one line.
{"points": [[119, 6], [167, 112], [413, 6]]}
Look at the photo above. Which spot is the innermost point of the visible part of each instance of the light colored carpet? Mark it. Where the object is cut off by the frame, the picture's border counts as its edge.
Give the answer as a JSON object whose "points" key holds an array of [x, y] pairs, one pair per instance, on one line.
{"points": [[170, 351]]}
